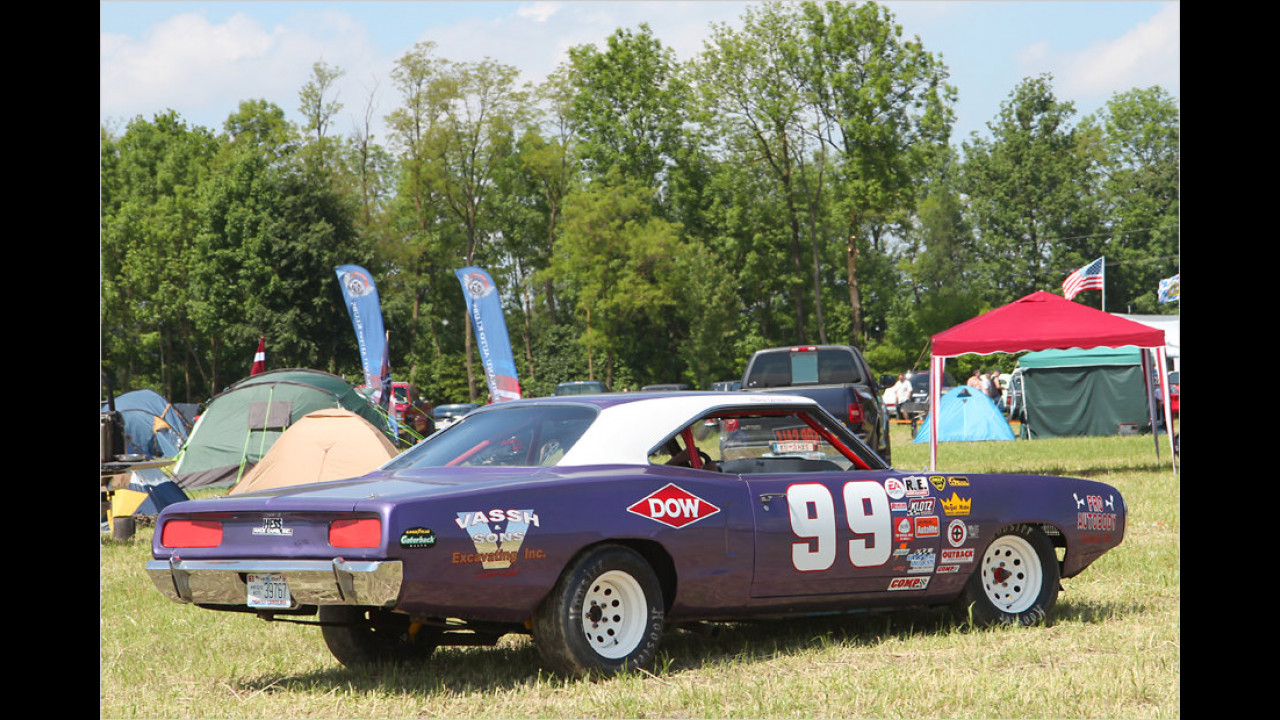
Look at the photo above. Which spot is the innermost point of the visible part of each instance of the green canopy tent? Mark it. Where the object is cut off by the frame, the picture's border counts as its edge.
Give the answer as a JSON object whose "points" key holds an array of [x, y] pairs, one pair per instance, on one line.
{"points": [[241, 423], [1074, 392]]}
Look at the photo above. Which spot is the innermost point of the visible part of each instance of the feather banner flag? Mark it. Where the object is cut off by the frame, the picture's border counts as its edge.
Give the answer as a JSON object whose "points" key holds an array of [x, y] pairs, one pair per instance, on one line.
{"points": [[485, 310], [1089, 277], [361, 298]]}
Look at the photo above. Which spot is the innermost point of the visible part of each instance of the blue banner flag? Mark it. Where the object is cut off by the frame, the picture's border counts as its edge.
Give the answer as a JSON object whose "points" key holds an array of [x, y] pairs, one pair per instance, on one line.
{"points": [[361, 297], [485, 309]]}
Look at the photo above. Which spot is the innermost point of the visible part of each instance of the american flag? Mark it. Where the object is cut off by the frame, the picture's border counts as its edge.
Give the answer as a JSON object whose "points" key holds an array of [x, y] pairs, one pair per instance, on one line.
{"points": [[260, 357], [1088, 277]]}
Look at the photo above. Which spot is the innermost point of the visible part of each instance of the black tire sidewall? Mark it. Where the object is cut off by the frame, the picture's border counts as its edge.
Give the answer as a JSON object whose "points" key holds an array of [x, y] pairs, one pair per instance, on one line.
{"points": [[985, 612], [557, 624]]}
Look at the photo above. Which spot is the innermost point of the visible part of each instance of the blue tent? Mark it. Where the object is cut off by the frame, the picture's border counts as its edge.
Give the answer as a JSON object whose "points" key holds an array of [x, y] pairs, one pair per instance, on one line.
{"points": [[152, 425], [965, 415]]}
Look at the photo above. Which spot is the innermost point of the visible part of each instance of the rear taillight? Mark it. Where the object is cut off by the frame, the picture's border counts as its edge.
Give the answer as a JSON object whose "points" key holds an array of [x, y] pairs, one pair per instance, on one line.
{"points": [[730, 424], [855, 414], [355, 532], [191, 534]]}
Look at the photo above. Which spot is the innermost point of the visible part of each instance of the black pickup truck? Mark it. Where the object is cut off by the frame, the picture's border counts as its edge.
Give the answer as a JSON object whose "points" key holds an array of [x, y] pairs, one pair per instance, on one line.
{"points": [[835, 376]]}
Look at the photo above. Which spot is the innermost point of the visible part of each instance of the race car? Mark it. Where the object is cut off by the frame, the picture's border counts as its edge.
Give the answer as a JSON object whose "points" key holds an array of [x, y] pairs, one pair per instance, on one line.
{"points": [[596, 523]]}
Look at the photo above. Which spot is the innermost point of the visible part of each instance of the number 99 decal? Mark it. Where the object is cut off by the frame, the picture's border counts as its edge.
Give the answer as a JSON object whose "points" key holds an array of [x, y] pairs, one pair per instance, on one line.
{"points": [[813, 516]]}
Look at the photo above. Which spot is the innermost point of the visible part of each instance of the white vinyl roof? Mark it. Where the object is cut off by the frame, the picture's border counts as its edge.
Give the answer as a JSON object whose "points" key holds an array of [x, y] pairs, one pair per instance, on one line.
{"points": [[626, 432]]}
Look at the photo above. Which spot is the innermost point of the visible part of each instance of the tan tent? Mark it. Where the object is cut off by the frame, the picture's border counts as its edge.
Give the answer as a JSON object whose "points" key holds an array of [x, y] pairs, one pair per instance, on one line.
{"points": [[330, 444]]}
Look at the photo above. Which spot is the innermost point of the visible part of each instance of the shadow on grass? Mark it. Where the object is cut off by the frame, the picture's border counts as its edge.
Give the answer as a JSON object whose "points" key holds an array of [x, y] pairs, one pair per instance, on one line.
{"points": [[458, 671]]}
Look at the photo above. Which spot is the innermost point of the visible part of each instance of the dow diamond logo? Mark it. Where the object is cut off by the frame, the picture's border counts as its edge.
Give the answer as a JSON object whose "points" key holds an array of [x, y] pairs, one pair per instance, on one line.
{"points": [[674, 506]]}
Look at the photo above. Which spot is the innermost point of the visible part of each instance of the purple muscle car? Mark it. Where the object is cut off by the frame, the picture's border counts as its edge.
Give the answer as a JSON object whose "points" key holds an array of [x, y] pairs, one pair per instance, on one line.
{"points": [[593, 522]]}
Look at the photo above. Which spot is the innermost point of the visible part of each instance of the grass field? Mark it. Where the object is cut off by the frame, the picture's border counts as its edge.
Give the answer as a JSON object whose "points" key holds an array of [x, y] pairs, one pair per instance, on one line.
{"points": [[1111, 650]]}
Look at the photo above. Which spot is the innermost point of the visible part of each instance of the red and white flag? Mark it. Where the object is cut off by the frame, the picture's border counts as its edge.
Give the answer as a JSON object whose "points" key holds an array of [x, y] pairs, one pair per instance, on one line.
{"points": [[1089, 277], [260, 357]]}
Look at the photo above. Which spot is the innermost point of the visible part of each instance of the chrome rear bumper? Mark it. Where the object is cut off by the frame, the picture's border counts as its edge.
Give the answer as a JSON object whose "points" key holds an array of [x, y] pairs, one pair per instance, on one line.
{"points": [[311, 582]]}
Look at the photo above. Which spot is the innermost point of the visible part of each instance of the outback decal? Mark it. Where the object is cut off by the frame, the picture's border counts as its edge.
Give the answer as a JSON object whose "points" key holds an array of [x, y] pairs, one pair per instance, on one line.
{"points": [[418, 537], [674, 506], [964, 555], [497, 536]]}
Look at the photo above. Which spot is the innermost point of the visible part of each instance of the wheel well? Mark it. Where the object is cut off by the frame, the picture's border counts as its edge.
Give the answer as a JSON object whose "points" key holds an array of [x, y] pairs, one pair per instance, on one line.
{"points": [[658, 558], [1050, 531]]}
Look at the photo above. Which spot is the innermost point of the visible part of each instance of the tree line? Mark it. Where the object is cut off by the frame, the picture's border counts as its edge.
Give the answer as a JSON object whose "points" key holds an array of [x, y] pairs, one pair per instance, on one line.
{"points": [[646, 219]]}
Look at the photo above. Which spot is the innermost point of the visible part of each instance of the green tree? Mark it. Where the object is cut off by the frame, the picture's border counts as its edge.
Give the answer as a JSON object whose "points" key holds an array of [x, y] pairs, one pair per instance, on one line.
{"points": [[1137, 136], [1029, 189], [885, 107]]}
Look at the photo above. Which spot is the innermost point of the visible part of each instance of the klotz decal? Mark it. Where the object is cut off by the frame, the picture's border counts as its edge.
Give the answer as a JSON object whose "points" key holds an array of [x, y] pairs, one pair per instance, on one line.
{"points": [[497, 536], [418, 537], [674, 506]]}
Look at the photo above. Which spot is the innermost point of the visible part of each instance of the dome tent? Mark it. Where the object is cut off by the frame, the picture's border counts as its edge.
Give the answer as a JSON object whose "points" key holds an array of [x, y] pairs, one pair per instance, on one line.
{"points": [[331, 444], [966, 416], [242, 423], [153, 426]]}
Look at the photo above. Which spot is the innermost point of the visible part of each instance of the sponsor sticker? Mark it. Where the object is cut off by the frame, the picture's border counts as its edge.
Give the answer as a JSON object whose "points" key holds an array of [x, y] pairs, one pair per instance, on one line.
{"points": [[963, 555], [418, 537], [497, 535], [927, 526], [957, 533], [903, 530], [674, 506], [908, 583], [917, 486], [956, 505], [894, 488]]}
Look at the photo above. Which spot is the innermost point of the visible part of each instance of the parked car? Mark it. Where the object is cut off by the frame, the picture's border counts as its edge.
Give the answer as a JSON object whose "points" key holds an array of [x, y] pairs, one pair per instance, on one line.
{"points": [[726, 385], [836, 376], [595, 523], [666, 387], [581, 387], [410, 407], [446, 415], [1173, 391]]}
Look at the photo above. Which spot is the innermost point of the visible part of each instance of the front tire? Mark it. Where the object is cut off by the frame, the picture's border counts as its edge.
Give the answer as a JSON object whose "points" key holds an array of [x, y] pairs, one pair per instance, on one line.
{"points": [[1017, 580], [604, 615], [362, 636]]}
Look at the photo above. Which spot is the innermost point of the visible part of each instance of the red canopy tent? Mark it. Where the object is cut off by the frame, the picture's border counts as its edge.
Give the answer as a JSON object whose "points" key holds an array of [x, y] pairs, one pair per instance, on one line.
{"points": [[1041, 321]]}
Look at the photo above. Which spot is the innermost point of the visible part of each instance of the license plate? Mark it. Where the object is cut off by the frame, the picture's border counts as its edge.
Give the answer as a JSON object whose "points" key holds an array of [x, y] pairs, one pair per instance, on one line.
{"points": [[268, 590], [785, 447]]}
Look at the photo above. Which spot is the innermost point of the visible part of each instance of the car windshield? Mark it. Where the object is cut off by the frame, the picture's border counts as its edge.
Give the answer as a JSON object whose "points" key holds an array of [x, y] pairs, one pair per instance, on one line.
{"points": [[515, 436]]}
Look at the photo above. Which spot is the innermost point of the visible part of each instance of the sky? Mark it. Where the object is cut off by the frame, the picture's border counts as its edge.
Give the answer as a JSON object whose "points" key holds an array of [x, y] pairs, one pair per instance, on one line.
{"points": [[202, 59]]}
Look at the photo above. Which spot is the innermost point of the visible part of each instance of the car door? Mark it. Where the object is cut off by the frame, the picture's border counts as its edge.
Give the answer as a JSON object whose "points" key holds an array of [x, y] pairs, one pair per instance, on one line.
{"points": [[834, 533]]}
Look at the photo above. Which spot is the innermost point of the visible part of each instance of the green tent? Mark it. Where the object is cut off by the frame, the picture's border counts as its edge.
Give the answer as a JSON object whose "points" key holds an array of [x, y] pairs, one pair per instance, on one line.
{"points": [[1083, 392], [242, 422]]}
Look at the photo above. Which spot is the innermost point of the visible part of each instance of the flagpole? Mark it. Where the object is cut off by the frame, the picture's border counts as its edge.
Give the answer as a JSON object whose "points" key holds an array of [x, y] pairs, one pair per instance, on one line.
{"points": [[1104, 283]]}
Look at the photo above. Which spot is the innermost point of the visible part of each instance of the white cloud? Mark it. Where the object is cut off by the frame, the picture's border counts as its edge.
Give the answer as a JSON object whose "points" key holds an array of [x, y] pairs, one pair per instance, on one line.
{"points": [[1144, 56]]}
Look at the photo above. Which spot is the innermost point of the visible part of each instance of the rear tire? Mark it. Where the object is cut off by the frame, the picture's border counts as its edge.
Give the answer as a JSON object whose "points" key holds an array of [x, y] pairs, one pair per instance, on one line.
{"points": [[362, 636], [1016, 581], [604, 615]]}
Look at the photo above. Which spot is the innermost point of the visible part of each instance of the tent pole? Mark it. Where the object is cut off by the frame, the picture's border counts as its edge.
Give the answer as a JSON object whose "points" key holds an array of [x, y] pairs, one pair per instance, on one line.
{"points": [[936, 365], [1168, 411]]}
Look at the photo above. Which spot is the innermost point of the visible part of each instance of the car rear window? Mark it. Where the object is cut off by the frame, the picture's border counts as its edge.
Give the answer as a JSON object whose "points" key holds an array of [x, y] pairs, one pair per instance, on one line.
{"points": [[829, 366], [514, 436]]}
